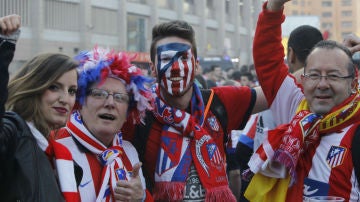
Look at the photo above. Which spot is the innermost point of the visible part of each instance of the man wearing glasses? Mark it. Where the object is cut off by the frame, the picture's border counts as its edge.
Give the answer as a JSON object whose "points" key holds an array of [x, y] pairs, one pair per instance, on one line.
{"points": [[318, 121]]}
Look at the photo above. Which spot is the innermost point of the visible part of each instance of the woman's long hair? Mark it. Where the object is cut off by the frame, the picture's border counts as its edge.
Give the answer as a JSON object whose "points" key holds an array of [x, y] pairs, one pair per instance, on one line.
{"points": [[27, 86]]}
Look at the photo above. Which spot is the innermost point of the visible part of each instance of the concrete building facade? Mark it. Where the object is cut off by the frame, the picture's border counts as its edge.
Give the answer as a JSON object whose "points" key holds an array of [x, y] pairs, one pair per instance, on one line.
{"points": [[223, 27], [337, 17]]}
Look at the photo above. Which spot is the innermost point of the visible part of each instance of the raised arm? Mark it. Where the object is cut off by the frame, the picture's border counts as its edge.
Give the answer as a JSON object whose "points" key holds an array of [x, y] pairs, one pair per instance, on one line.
{"points": [[268, 51], [9, 26]]}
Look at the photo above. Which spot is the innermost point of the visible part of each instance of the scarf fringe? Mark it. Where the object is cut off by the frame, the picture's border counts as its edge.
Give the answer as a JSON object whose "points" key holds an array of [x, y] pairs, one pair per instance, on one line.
{"points": [[169, 191], [222, 193], [174, 191], [286, 159]]}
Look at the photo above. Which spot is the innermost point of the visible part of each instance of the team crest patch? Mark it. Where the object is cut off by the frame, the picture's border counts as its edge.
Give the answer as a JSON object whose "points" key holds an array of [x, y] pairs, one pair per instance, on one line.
{"points": [[335, 156], [214, 154], [170, 153], [108, 156], [213, 123]]}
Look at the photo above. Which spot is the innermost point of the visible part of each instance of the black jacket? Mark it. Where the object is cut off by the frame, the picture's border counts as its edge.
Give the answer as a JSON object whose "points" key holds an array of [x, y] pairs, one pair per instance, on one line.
{"points": [[25, 171]]}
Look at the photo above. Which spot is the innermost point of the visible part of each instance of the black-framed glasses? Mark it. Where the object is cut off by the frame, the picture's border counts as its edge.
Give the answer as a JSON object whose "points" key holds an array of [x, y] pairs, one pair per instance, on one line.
{"points": [[102, 94], [331, 78]]}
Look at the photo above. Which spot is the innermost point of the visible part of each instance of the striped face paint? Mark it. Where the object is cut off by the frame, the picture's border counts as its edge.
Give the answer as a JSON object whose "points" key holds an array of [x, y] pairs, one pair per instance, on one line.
{"points": [[175, 67]]}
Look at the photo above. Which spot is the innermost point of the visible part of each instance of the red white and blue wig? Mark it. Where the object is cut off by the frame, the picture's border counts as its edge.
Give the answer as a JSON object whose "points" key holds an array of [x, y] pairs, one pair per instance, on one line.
{"points": [[98, 64]]}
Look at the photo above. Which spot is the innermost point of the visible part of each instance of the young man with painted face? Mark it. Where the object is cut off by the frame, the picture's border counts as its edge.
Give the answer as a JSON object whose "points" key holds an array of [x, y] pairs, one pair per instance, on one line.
{"points": [[319, 121], [184, 148]]}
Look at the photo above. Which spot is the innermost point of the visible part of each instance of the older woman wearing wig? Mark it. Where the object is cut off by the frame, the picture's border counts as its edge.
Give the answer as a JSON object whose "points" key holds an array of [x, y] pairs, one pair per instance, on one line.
{"points": [[94, 163]]}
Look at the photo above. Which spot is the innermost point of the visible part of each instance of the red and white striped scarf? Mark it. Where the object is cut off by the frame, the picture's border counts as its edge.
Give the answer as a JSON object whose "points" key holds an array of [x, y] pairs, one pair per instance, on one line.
{"points": [[116, 163], [286, 143], [179, 129]]}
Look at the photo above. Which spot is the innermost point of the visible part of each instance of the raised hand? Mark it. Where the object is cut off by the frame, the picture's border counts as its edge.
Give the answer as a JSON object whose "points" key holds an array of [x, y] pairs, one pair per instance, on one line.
{"points": [[275, 5], [352, 42], [131, 190], [9, 24]]}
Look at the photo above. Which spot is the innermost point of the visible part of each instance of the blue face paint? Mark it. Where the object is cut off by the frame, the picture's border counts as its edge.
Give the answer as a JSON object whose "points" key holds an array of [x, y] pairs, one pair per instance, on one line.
{"points": [[175, 50], [175, 67]]}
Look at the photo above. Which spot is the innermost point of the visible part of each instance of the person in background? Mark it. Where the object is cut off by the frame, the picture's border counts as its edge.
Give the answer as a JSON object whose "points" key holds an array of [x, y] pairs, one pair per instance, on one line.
{"points": [[144, 70], [183, 148], [301, 40], [246, 79], [39, 98], [93, 161], [199, 77], [231, 82], [311, 149], [236, 75], [216, 74], [253, 72], [207, 75], [228, 73]]}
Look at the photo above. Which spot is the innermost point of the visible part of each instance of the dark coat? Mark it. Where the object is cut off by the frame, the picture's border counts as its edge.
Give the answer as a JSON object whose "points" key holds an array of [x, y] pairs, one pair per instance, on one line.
{"points": [[25, 171]]}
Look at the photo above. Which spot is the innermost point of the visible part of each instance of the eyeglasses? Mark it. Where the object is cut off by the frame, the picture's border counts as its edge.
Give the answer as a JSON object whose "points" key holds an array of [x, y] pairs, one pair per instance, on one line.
{"points": [[316, 78], [101, 94]]}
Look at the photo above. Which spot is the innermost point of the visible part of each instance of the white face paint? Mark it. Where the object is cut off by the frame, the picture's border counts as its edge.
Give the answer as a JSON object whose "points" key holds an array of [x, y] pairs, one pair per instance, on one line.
{"points": [[176, 67]]}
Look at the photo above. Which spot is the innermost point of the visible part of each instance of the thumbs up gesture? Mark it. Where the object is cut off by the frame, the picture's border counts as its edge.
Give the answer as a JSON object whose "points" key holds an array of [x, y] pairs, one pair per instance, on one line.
{"points": [[131, 190]]}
